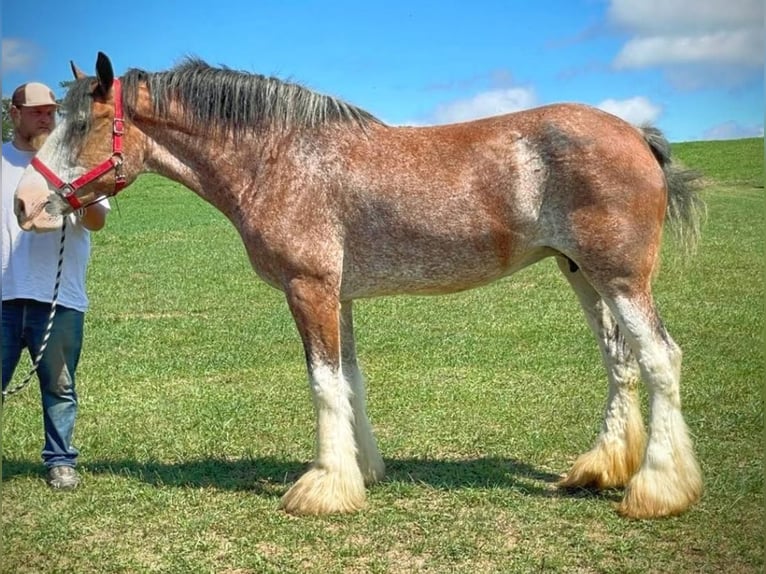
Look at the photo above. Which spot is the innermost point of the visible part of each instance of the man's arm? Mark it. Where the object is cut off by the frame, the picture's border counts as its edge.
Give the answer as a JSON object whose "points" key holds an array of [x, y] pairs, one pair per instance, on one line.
{"points": [[94, 216]]}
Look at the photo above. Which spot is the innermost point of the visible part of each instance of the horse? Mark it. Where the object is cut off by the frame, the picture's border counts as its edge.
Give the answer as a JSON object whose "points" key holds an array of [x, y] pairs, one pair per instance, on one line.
{"points": [[333, 205]]}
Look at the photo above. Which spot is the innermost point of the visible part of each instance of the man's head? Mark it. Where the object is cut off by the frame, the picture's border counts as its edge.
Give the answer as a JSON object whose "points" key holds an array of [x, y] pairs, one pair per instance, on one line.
{"points": [[33, 112]]}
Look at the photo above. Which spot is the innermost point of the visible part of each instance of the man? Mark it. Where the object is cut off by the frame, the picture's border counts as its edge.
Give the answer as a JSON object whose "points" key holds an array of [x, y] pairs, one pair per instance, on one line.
{"points": [[29, 267]]}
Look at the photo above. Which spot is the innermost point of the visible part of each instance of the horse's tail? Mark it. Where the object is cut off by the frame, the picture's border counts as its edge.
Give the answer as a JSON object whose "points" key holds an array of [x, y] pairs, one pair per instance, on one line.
{"points": [[686, 210]]}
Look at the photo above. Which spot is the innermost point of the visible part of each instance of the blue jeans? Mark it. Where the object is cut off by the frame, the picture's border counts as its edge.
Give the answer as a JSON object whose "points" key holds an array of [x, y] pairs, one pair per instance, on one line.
{"points": [[23, 325]]}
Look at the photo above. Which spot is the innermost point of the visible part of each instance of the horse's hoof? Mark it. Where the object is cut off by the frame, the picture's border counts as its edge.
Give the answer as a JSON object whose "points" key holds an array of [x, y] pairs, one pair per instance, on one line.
{"points": [[600, 468], [651, 494], [320, 491]]}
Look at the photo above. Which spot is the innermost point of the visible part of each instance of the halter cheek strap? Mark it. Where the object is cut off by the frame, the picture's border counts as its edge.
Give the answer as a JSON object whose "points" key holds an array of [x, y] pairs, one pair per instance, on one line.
{"points": [[115, 162]]}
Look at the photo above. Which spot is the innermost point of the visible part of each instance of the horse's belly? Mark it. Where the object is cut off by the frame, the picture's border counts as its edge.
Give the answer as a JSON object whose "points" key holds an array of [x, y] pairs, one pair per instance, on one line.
{"points": [[433, 276], [355, 288]]}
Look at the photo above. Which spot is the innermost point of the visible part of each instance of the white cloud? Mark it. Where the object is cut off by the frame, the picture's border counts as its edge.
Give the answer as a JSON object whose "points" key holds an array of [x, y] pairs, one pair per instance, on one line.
{"points": [[650, 17], [485, 104], [18, 55], [692, 40], [737, 47], [733, 130], [638, 110]]}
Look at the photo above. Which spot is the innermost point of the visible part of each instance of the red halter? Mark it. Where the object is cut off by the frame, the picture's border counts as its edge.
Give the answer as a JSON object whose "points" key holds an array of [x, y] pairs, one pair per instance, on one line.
{"points": [[69, 190]]}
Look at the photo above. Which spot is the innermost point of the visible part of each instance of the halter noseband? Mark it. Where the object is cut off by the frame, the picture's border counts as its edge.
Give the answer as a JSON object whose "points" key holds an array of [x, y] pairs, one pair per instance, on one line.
{"points": [[68, 191]]}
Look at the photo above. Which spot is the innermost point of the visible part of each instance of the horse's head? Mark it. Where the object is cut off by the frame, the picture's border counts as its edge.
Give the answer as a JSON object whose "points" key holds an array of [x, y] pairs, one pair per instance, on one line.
{"points": [[90, 153]]}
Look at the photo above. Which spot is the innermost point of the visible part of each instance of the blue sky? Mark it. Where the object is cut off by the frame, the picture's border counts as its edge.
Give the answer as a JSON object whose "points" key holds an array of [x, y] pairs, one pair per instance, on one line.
{"points": [[694, 68]]}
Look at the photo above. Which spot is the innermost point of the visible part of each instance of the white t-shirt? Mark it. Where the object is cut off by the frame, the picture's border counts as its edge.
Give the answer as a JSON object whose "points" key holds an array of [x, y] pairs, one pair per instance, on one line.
{"points": [[30, 259]]}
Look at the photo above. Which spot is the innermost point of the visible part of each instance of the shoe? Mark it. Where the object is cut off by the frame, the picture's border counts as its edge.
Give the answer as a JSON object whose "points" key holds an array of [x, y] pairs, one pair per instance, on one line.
{"points": [[63, 478]]}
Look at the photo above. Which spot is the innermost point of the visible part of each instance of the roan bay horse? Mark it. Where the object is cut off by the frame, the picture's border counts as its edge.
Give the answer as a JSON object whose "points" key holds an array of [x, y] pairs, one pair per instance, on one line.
{"points": [[334, 205]]}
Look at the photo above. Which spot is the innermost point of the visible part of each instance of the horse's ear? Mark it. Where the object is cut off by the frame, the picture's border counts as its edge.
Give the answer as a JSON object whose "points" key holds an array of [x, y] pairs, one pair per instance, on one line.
{"points": [[104, 73], [78, 73]]}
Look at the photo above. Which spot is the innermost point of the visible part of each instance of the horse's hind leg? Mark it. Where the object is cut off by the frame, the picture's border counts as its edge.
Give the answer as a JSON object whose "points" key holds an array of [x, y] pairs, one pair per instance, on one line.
{"points": [[669, 479], [368, 456], [620, 444]]}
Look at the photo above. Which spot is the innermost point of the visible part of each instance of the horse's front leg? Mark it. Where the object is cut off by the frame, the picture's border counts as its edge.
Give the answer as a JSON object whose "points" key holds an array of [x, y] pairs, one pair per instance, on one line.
{"points": [[368, 456], [334, 483]]}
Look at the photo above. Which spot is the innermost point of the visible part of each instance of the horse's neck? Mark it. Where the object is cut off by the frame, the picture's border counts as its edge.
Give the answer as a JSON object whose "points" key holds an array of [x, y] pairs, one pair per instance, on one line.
{"points": [[163, 161], [211, 167]]}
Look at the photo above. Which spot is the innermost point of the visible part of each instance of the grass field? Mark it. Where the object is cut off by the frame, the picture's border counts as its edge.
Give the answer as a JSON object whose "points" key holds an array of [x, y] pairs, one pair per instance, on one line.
{"points": [[196, 416]]}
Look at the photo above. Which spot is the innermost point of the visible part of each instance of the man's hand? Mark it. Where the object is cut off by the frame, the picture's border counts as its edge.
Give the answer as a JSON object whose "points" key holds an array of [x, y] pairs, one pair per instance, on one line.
{"points": [[93, 217]]}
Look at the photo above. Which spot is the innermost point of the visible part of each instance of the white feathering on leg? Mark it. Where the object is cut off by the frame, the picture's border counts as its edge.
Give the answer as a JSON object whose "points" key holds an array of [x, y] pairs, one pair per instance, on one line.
{"points": [[334, 483]]}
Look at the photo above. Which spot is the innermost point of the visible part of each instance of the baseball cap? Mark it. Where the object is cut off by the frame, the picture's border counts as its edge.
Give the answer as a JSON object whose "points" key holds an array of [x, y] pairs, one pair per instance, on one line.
{"points": [[33, 94]]}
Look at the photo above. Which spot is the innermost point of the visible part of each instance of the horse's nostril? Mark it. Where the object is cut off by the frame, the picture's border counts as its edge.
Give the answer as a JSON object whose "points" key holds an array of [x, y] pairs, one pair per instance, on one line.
{"points": [[18, 207]]}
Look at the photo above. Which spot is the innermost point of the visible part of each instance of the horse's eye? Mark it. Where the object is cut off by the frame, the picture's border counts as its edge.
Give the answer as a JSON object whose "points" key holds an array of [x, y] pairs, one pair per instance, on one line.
{"points": [[78, 123]]}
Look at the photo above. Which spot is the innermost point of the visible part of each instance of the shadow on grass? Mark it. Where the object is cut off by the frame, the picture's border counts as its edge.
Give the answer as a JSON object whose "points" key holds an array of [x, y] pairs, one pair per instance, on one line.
{"points": [[272, 477]]}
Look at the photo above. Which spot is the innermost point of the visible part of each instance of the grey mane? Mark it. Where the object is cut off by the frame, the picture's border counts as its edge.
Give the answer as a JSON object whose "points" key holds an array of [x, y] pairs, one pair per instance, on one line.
{"points": [[223, 99], [216, 100]]}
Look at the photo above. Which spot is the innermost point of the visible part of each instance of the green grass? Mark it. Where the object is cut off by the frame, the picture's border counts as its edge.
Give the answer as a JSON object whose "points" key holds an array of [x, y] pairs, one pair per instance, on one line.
{"points": [[196, 416], [736, 162]]}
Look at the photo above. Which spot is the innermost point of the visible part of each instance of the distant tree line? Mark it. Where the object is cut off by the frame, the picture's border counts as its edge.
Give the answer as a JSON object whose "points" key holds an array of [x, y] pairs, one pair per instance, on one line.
{"points": [[7, 124]]}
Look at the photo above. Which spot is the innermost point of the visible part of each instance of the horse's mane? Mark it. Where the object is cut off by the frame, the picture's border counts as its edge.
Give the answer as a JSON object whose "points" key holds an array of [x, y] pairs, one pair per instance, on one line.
{"points": [[227, 99], [221, 100]]}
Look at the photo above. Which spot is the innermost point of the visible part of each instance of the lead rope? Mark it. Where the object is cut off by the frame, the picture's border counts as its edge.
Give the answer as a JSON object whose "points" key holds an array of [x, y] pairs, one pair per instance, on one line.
{"points": [[51, 317]]}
